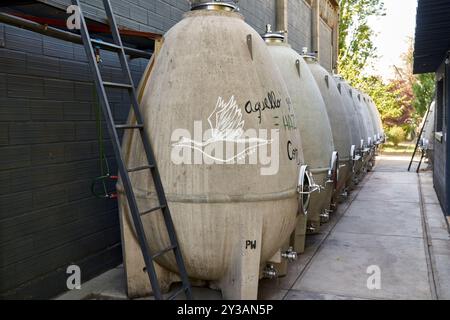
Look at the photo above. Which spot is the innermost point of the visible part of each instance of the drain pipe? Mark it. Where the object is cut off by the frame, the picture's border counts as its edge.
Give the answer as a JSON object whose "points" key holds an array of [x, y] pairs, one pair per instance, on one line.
{"points": [[58, 33], [282, 17], [315, 27]]}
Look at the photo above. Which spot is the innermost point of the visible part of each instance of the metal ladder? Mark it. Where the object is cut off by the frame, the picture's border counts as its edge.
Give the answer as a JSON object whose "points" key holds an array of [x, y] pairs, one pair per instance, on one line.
{"points": [[416, 148], [113, 129]]}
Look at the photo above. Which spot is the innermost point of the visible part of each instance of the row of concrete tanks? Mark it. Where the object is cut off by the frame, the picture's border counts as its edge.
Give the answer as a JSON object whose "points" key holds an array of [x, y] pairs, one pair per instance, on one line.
{"points": [[339, 129], [254, 144]]}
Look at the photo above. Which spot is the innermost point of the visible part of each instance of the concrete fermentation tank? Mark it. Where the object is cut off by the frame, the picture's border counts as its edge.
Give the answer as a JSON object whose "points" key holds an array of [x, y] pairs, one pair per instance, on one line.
{"points": [[378, 120], [365, 150], [314, 128], [214, 105], [357, 133], [340, 125]]}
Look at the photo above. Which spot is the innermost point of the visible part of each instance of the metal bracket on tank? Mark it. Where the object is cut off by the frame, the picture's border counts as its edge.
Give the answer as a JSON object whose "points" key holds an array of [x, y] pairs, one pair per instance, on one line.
{"points": [[355, 157], [333, 172], [327, 81], [297, 65], [250, 45]]}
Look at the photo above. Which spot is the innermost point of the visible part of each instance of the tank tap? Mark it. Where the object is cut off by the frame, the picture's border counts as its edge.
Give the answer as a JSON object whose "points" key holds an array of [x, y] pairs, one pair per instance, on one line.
{"points": [[290, 255], [310, 229], [270, 272], [325, 216]]}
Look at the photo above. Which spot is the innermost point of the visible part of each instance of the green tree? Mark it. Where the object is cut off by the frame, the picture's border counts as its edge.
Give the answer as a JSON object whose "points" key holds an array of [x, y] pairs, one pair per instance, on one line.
{"points": [[423, 89], [357, 51], [356, 47]]}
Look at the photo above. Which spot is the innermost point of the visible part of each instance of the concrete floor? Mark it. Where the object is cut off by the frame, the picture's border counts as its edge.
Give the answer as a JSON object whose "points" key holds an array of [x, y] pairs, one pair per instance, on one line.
{"points": [[392, 220]]}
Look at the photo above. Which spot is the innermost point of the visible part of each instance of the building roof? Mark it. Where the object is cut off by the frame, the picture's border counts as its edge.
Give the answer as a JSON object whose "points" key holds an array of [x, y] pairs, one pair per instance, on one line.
{"points": [[432, 35]]}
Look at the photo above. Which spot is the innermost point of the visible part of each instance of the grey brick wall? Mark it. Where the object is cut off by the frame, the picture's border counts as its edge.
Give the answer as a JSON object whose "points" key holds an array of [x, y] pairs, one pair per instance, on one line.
{"points": [[259, 13], [326, 46], [299, 19], [48, 158]]}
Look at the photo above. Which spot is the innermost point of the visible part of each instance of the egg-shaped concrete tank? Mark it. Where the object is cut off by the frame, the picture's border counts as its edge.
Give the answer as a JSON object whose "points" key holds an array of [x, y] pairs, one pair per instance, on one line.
{"points": [[357, 133], [314, 128], [340, 125], [361, 120], [364, 149], [372, 117], [220, 121], [370, 150], [366, 117], [378, 120]]}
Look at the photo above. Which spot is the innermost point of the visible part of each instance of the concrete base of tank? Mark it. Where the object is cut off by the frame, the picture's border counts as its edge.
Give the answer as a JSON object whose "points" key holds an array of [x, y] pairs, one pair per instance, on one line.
{"points": [[345, 172], [240, 282]]}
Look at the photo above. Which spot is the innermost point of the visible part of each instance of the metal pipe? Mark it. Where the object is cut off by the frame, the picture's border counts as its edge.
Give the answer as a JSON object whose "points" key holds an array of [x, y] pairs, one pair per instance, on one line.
{"points": [[315, 28], [60, 34], [282, 17]]}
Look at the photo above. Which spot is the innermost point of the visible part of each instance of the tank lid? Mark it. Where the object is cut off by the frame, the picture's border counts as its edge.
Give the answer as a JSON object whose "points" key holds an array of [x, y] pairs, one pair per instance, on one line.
{"points": [[215, 5], [273, 36], [308, 56]]}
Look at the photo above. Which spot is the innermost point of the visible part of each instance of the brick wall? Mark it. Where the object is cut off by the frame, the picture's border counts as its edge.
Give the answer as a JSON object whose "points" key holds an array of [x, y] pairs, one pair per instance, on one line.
{"points": [[440, 165], [299, 19], [49, 156]]}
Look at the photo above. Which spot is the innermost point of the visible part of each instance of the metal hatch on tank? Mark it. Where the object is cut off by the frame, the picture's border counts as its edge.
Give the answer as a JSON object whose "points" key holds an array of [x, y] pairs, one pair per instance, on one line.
{"points": [[230, 156], [314, 128]]}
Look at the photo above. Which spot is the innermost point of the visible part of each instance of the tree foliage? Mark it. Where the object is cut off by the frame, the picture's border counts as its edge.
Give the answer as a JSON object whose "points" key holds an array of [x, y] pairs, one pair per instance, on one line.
{"points": [[423, 90], [401, 101], [356, 47]]}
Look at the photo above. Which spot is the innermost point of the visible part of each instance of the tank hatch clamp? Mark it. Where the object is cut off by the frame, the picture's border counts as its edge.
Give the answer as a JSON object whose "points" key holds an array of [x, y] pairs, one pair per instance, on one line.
{"points": [[113, 130]]}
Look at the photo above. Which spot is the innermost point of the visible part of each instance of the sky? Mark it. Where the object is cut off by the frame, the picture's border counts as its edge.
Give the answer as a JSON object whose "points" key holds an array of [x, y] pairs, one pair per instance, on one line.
{"points": [[392, 33]]}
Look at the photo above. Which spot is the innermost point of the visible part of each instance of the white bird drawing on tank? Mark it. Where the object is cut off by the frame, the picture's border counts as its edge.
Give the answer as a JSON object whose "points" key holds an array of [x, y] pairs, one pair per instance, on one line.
{"points": [[227, 126]]}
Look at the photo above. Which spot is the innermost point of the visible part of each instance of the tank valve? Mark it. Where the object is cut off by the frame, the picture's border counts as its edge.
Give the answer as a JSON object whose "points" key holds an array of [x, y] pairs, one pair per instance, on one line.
{"points": [[290, 255], [325, 216], [270, 272], [333, 206]]}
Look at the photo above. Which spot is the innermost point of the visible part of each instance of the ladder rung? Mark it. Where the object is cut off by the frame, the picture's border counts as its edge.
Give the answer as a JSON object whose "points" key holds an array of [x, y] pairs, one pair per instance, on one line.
{"points": [[140, 168], [105, 44], [159, 254], [152, 210], [117, 85], [176, 294], [129, 126]]}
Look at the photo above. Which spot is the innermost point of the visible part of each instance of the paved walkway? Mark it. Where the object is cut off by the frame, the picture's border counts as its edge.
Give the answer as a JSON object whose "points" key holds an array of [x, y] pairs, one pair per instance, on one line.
{"points": [[392, 221]]}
